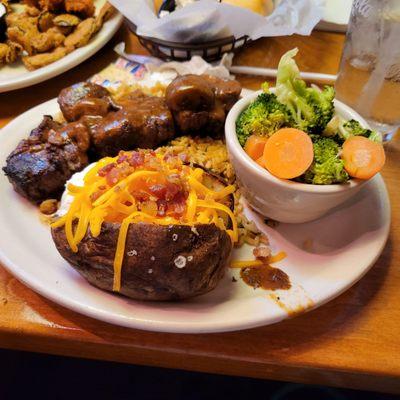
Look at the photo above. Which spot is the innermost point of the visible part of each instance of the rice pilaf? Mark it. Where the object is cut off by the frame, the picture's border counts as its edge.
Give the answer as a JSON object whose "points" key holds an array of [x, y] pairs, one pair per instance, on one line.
{"points": [[213, 155]]}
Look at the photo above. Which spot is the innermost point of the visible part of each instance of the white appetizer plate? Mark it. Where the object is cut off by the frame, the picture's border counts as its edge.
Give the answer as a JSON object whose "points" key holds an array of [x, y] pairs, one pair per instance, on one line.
{"points": [[16, 76], [324, 258]]}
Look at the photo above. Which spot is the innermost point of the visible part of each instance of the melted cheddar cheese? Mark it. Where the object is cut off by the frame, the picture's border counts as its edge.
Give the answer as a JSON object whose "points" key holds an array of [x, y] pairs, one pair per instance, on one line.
{"points": [[142, 187]]}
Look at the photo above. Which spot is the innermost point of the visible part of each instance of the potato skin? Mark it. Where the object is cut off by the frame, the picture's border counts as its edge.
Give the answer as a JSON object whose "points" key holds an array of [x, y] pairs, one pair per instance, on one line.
{"points": [[152, 274]]}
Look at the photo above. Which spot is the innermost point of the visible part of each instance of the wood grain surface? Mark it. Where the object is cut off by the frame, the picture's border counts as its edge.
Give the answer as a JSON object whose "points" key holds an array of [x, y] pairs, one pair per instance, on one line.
{"points": [[353, 341]]}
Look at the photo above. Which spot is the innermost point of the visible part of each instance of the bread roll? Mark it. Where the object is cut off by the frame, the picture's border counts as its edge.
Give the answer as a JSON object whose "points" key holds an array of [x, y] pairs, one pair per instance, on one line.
{"points": [[262, 7]]}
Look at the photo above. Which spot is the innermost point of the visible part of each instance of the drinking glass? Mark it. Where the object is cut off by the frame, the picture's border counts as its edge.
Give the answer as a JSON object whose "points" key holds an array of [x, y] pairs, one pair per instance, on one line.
{"points": [[369, 76]]}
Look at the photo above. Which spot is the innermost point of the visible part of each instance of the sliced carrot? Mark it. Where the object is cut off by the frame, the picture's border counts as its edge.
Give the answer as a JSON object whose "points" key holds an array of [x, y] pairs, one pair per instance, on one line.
{"points": [[288, 153], [254, 146], [260, 162], [362, 157]]}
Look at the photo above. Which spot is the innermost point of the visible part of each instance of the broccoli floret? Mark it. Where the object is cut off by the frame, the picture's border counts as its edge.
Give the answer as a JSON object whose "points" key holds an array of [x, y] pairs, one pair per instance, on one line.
{"points": [[310, 108], [350, 128], [262, 117], [327, 167]]}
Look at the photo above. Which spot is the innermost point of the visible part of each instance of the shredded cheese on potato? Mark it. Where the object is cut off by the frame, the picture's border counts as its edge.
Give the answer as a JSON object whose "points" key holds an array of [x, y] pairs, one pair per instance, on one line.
{"points": [[105, 198]]}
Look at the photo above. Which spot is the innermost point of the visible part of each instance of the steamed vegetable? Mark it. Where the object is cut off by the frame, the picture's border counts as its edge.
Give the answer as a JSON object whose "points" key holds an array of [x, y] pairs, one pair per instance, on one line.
{"points": [[310, 107], [263, 117], [342, 130], [354, 128], [299, 136], [362, 157], [288, 153], [327, 167], [254, 146]]}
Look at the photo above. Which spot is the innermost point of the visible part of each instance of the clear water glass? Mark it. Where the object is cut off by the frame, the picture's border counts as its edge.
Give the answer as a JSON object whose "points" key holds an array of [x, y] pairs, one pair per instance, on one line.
{"points": [[369, 76]]}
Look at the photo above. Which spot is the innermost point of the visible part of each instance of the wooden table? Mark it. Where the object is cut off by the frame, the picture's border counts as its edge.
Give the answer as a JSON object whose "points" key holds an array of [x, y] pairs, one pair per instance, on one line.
{"points": [[354, 341]]}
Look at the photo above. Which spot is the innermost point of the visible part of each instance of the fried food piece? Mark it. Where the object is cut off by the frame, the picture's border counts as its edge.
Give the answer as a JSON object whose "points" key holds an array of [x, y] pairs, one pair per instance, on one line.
{"points": [[32, 11], [51, 5], [45, 21], [66, 23], [32, 3], [6, 4], [46, 41], [21, 29], [41, 60], [105, 13], [24, 30], [9, 52], [82, 34], [84, 8]]}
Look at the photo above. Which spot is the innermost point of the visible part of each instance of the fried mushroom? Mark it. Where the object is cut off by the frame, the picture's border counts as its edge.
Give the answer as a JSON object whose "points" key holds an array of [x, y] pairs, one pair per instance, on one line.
{"points": [[82, 34], [46, 41], [9, 52], [51, 5], [66, 23], [40, 60], [45, 21], [105, 13], [84, 8]]}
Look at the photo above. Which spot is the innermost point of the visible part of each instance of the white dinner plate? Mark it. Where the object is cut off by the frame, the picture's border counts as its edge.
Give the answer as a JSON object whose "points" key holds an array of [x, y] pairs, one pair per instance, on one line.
{"points": [[324, 258], [16, 76]]}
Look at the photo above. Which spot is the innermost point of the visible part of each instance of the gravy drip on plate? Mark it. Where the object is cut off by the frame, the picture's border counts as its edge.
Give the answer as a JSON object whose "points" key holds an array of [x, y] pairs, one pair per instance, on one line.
{"points": [[265, 277]]}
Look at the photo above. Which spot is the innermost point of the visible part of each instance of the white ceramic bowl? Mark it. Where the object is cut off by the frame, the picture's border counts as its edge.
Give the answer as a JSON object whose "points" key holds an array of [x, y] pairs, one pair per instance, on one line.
{"points": [[280, 199]]}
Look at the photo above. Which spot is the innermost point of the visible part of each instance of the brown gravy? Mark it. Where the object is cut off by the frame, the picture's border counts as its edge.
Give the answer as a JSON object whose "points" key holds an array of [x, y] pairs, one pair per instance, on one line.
{"points": [[265, 277]]}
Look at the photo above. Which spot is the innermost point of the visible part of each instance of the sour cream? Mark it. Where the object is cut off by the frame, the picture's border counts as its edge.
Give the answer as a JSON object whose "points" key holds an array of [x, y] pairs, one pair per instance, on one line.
{"points": [[66, 199]]}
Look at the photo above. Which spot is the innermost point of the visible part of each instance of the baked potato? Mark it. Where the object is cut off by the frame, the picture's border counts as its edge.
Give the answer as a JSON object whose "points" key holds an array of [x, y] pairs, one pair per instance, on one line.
{"points": [[156, 255]]}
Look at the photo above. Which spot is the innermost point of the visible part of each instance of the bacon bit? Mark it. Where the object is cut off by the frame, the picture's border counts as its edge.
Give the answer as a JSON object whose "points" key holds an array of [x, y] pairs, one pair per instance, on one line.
{"points": [[94, 196], [140, 195], [172, 189], [168, 156], [179, 205], [158, 190], [162, 208], [262, 252], [113, 177], [152, 163], [122, 157], [173, 178], [106, 169], [136, 159], [173, 160], [149, 207], [184, 157]]}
